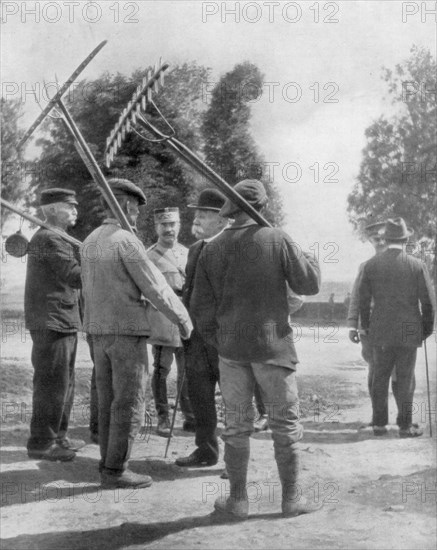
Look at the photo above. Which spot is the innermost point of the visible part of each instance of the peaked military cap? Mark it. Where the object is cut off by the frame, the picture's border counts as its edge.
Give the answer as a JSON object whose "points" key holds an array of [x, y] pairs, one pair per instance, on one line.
{"points": [[56, 194], [125, 187], [169, 214], [209, 199]]}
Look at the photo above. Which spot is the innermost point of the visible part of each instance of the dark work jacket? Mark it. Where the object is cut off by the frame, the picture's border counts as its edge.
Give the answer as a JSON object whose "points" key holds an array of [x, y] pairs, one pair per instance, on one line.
{"points": [[398, 283], [52, 280], [239, 302]]}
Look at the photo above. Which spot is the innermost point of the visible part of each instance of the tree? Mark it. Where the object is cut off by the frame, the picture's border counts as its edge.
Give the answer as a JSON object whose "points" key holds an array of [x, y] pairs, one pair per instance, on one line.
{"points": [[229, 146], [398, 171], [13, 173], [95, 106]]}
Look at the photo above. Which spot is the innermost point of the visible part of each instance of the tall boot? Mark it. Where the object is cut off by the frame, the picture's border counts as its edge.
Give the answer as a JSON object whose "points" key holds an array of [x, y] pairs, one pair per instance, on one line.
{"points": [[236, 506], [294, 503]]}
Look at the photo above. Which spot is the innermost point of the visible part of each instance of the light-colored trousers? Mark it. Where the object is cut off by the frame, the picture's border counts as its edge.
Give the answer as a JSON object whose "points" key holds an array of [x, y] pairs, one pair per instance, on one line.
{"points": [[278, 388]]}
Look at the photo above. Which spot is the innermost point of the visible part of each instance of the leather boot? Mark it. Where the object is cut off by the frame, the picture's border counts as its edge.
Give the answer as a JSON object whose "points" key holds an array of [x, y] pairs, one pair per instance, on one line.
{"points": [[236, 506], [294, 502]]}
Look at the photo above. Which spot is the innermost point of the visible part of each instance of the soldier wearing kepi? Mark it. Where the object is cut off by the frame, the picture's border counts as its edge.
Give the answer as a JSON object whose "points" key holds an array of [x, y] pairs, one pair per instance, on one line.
{"points": [[52, 316], [240, 305], [201, 357], [170, 257], [401, 318], [116, 275]]}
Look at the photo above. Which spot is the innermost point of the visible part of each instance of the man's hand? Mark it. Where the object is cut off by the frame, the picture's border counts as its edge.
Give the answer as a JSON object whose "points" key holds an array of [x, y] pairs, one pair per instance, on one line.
{"points": [[185, 330], [354, 336]]}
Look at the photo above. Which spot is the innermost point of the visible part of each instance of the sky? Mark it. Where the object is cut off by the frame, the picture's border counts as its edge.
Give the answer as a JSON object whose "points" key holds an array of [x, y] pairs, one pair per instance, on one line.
{"points": [[322, 65]]}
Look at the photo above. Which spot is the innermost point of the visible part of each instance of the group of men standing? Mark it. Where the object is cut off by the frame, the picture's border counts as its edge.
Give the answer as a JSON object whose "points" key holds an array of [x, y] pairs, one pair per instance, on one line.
{"points": [[228, 301]]}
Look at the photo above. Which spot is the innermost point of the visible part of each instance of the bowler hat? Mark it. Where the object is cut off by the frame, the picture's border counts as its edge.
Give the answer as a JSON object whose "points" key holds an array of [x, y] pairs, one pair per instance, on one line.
{"points": [[121, 186], [56, 194], [168, 214], [209, 199], [396, 230], [252, 191]]}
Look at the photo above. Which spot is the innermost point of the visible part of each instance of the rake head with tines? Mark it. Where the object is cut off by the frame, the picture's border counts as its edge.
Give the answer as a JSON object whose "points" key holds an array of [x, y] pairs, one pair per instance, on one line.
{"points": [[134, 109]]}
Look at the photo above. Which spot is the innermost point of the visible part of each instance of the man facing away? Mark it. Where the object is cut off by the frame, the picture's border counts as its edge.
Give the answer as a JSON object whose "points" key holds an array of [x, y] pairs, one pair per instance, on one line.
{"points": [[240, 305], [52, 315], [375, 235], [170, 257], [401, 318], [200, 356], [116, 275]]}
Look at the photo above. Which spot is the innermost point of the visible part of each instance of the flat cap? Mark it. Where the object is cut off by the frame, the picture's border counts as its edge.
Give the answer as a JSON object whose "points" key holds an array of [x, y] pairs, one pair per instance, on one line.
{"points": [[209, 199], [169, 214], [252, 191], [125, 187], [57, 194]]}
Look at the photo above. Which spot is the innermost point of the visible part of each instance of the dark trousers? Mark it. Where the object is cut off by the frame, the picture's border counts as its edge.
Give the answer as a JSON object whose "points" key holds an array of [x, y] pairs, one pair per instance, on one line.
{"points": [[259, 401], [162, 361], [203, 376], [94, 402], [385, 359], [53, 357]]}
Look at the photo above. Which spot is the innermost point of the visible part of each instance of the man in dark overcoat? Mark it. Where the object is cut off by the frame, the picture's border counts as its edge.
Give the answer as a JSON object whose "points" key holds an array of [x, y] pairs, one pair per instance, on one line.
{"points": [[402, 317], [52, 316]]}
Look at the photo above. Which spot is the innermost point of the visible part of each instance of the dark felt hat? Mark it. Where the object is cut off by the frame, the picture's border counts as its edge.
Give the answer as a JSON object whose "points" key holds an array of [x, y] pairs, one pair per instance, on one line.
{"points": [[374, 228], [56, 194], [396, 230], [252, 191], [125, 187], [209, 199]]}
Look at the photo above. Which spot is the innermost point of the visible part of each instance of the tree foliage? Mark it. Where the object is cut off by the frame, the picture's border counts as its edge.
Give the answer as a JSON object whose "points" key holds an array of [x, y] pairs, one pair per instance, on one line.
{"points": [[398, 171], [13, 172], [95, 106], [229, 146]]}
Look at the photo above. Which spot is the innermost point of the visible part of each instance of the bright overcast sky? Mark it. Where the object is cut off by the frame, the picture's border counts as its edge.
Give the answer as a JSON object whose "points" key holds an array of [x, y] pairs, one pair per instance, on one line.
{"points": [[322, 65]]}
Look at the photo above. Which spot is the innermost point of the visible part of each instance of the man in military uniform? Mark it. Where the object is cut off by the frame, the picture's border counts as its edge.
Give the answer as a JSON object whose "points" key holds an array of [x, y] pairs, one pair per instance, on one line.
{"points": [[117, 275], [52, 317], [170, 257]]}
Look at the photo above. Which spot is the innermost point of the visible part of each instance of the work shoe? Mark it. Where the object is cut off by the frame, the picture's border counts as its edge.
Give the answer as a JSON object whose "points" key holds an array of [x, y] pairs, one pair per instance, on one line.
{"points": [[163, 427], [53, 453], [235, 510], [379, 430], [261, 424], [126, 479], [196, 459], [411, 431], [71, 444]]}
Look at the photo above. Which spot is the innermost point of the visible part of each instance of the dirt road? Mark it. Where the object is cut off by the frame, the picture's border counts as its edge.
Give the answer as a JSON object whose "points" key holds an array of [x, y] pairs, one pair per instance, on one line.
{"points": [[376, 492]]}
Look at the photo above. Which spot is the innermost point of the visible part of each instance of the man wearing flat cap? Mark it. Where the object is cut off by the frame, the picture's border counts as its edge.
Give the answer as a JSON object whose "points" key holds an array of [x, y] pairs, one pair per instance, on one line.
{"points": [[240, 305], [200, 357], [119, 281], [170, 257], [52, 317], [402, 317]]}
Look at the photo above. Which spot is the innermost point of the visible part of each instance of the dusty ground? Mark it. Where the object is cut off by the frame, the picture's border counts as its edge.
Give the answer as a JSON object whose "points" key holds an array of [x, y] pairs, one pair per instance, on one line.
{"points": [[376, 492]]}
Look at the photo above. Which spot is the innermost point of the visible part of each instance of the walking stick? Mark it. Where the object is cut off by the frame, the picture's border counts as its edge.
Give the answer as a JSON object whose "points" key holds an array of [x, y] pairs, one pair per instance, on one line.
{"points": [[178, 396], [427, 384]]}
